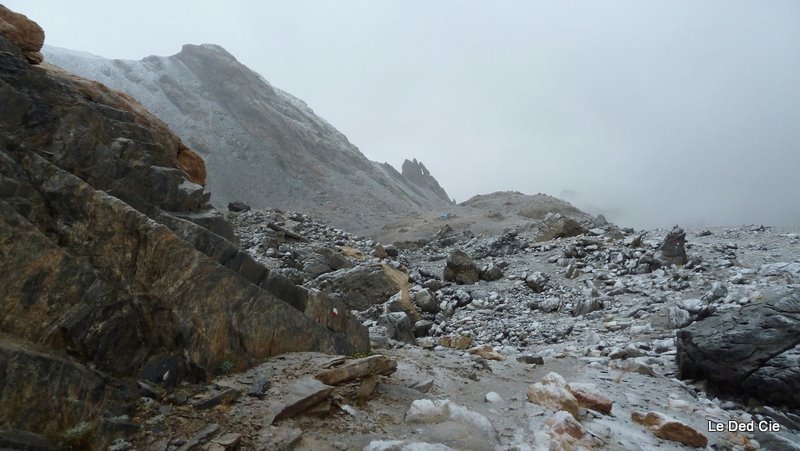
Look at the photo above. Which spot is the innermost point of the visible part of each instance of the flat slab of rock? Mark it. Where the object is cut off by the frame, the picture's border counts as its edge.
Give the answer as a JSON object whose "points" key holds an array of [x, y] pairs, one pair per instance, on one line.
{"points": [[301, 395], [362, 286], [225, 442], [422, 385], [226, 396], [368, 366], [558, 226], [400, 393], [203, 436], [283, 438]]}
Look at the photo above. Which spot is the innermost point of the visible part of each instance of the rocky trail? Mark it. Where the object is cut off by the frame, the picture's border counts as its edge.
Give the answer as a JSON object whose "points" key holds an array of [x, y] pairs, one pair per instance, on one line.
{"points": [[570, 343]]}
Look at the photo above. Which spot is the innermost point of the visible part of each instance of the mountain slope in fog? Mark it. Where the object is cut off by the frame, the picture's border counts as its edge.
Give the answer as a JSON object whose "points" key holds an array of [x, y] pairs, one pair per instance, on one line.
{"points": [[262, 145]]}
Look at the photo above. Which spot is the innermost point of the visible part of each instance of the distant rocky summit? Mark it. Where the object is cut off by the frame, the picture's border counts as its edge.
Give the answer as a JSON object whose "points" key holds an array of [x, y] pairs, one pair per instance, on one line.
{"points": [[422, 180], [263, 146], [113, 265], [533, 207]]}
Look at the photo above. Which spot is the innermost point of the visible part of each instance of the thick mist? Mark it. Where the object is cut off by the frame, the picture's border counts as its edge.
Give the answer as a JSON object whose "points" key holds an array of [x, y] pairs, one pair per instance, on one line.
{"points": [[653, 113]]}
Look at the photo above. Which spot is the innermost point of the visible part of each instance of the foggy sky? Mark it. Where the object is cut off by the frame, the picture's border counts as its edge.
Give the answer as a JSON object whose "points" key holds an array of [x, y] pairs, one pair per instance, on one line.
{"points": [[655, 113]]}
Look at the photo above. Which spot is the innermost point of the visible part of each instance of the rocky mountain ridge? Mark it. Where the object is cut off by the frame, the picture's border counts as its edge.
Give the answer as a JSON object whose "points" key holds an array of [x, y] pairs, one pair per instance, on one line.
{"points": [[263, 146]]}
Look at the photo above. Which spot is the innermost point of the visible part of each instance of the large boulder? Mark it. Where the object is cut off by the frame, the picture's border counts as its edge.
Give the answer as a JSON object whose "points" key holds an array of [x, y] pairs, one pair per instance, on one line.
{"points": [[362, 286], [460, 268], [324, 260], [426, 301], [752, 352], [398, 326], [673, 249], [556, 225]]}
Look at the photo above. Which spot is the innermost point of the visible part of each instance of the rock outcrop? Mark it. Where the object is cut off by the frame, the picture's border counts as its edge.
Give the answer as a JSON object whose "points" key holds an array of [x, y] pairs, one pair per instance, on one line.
{"points": [[751, 352], [421, 178], [24, 34], [114, 265], [460, 268], [673, 249], [263, 146]]}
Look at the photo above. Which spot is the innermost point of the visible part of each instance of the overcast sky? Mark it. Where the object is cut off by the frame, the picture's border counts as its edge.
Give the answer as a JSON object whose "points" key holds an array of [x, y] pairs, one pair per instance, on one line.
{"points": [[654, 112]]}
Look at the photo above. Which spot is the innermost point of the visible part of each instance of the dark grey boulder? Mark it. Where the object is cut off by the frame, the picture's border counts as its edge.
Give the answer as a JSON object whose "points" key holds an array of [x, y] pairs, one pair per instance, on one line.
{"points": [[426, 300], [491, 272], [398, 326], [753, 352], [422, 328], [460, 268], [537, 281], [673, 249], [238, 207]]}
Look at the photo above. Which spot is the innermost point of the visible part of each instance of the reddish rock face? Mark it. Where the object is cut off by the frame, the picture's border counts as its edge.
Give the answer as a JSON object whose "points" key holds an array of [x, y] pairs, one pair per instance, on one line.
{"points": [[192, 165], [22, 32], [590, 398]]}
